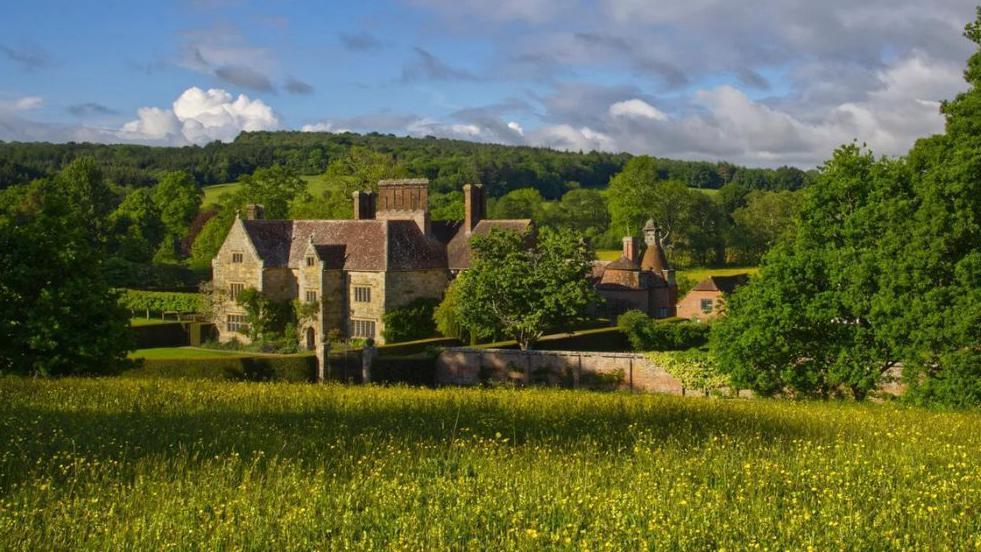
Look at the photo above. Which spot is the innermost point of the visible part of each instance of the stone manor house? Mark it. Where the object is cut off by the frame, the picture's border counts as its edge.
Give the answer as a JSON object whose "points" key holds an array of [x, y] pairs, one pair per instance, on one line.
{"points": [[387, 256]]}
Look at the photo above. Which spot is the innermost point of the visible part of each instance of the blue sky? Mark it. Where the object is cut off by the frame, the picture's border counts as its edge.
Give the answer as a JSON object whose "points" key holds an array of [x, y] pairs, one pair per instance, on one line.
{"points": [[764, 83]]}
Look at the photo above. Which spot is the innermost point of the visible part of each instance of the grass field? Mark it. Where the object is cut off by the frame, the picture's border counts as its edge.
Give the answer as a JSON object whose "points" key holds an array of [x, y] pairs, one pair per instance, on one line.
{"points": [[316, 185], [109, 464], [135, 322]]}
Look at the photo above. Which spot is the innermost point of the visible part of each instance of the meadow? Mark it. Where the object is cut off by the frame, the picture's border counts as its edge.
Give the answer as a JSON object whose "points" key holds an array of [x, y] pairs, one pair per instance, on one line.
{"points": [[147, 465]]}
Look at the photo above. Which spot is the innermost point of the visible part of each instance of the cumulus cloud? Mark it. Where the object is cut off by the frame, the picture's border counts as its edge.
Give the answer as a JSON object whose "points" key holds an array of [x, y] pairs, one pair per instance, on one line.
{"points": [[200, 116], [636, 108]]}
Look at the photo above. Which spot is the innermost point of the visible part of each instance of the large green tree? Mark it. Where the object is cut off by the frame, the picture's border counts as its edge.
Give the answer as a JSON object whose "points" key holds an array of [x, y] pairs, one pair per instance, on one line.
{"points": [[275, 188], [765, 217], [58, 316], [178, 198], [520, 290], [359, 170], [136, 227], [884, 267]]}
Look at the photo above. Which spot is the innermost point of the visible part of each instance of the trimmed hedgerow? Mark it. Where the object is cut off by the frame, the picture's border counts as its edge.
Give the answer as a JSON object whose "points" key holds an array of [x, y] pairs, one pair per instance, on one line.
{"points": [[648, 334], [157, 302]]}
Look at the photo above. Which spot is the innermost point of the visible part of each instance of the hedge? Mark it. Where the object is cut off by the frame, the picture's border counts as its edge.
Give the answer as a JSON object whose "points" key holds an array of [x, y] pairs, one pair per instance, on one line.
{"points": [[158, 302], [415, 370], [648, 334], [177, 334], [412, 321]]}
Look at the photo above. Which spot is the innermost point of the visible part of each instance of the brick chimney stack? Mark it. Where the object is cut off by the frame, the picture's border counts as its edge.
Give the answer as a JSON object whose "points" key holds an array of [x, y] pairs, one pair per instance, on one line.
{"points": [[474, 206], [630, 249], [364, 205], [254, 211], [406, 199]]}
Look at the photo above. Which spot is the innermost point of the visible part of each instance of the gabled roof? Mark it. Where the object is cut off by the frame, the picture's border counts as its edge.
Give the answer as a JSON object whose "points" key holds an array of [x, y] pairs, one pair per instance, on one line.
{"points": [[369, 245], [724, 284], [458, 250]]}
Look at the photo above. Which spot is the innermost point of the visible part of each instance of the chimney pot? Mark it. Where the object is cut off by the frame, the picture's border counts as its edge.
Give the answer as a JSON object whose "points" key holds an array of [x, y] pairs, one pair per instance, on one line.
{"points": [[474, 206], [629, 248], [254, 211]]}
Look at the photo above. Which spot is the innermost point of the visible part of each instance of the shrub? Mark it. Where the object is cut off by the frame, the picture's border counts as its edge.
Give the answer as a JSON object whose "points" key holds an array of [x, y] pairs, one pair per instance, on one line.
{"points": [[695, 369], [648, 334], [411, 322]]}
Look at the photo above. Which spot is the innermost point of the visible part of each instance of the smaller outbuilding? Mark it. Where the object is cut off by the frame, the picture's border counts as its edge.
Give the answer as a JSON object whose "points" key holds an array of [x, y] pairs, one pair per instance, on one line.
{"points": [[705, 300]]}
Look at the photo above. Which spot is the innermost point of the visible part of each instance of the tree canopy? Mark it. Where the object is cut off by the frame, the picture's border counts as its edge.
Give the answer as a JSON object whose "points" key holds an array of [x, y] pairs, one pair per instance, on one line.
{"points": [[521, 290]]}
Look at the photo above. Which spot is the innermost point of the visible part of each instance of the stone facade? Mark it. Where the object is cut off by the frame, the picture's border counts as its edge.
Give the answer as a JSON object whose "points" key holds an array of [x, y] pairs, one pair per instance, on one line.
{"points": [[356, 270]]}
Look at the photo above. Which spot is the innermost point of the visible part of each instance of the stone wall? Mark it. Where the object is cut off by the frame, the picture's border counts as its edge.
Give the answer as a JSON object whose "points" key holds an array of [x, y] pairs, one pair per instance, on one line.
{"points": [[468, 366], [226, 272], [401, 288], [366, 310]]}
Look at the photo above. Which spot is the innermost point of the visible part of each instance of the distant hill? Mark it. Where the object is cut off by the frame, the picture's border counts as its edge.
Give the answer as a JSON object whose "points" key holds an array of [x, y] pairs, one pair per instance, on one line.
{"points": [[448, 164]]}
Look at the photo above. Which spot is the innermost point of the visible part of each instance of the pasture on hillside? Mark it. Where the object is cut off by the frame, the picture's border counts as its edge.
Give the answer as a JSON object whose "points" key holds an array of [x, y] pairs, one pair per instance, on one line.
{"points": [[147, 465]]}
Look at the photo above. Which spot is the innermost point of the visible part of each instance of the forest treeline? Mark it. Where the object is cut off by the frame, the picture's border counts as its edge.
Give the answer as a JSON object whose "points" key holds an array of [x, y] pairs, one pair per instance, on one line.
{"points": [[448, 164]]}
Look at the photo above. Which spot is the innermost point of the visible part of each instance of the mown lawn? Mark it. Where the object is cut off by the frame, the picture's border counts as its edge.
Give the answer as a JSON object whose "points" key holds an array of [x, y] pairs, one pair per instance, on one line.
{"points": [[135, 322], [150, 465], [182, 353]]}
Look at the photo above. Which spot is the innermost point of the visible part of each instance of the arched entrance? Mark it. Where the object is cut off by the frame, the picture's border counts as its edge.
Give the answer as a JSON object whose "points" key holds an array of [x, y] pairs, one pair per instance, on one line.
{"points": [[311, 339]]}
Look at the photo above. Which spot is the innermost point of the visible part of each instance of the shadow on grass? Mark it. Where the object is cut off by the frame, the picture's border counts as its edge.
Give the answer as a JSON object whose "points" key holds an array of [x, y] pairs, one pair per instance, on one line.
{"points": [[329, 431]]}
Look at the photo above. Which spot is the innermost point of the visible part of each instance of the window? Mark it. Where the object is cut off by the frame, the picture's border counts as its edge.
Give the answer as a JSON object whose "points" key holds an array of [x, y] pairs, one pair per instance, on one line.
{"points": [[234, 290], [237, 323], [362, 294], [311, 261], [363, 328], [311, 297], [236, 257], [662, 312], [707, 305]]}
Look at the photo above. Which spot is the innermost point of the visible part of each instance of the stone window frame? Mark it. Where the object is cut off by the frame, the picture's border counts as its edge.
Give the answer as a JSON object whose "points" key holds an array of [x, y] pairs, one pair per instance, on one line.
{"points": [[311, 260], [311, 296], [238, 257], [707, 305], [234, 289], [361, 294], [363, 328], [237, 323]]}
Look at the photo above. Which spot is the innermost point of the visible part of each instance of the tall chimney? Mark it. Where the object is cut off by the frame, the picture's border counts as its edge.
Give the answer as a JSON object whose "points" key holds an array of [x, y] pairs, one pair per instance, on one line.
{"points": [[364, 205], [474, 206], [630, 249], [254, 211], [406, 199]]}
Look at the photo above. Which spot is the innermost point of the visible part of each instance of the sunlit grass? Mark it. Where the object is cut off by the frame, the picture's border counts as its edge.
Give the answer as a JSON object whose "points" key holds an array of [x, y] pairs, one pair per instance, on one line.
{"points": [[135, 322], [179, 353], [144, 465], [316, 185]]}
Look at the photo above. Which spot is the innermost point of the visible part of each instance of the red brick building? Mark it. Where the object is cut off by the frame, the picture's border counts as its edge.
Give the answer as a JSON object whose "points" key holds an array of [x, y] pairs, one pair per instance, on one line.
{"points": [[643, 283], [705, 300]]}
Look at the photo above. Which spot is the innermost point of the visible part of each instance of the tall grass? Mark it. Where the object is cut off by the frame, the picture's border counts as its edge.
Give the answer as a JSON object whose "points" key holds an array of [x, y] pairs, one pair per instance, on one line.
{"points": [[111, 464]]}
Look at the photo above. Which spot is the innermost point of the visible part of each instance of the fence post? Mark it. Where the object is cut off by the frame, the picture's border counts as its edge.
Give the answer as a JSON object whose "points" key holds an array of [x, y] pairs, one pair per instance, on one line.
{"points": [[631, 372]]}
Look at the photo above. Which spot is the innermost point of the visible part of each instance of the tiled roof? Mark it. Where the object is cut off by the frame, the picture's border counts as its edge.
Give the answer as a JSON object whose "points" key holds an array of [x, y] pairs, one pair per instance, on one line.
{"points": [[623, 263], [725, 284], [458, 250], [370, 245]]}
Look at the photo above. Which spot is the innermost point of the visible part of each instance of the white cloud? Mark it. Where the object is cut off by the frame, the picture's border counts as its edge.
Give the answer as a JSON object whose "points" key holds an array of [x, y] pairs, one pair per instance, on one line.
{"points": [[324, 126], [636, 108], [25, 103], [200, 116], [567, 137], [516, 127]]}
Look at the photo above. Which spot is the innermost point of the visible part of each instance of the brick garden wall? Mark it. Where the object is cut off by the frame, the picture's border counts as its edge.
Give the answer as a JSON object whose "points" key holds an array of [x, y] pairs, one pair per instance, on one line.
{"points": [[466, 366]]}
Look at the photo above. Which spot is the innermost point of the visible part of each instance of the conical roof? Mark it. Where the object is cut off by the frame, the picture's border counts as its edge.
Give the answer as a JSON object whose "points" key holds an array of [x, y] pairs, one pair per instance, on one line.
{"points": [[654, 258]]}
